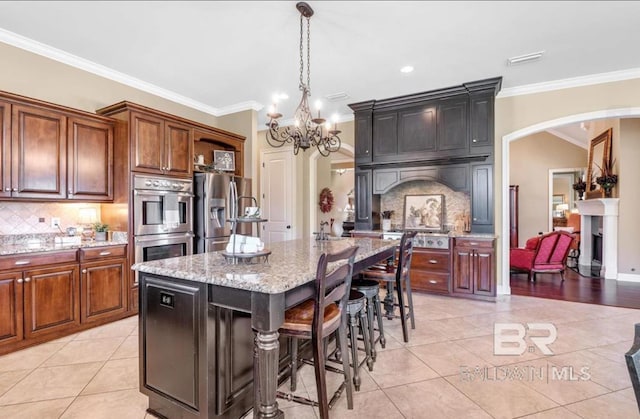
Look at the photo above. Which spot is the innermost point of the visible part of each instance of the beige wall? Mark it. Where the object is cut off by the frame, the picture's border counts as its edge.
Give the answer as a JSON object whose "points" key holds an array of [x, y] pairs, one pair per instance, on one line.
{"points": [[629, 169], [521, 112], [530, 160]]}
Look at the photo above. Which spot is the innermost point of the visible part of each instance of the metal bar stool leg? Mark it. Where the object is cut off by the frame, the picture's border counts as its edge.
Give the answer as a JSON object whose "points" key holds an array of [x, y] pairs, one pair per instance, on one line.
{"points": [[344, 351], [364, 327], [378, 313], [372, 337], [353, 332]]}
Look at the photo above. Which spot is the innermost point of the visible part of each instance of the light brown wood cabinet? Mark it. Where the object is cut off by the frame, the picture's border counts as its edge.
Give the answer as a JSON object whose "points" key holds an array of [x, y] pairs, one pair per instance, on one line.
{"points": [[11, 325], [161, 146], [104, 282], [474, 267], [48, 152]]}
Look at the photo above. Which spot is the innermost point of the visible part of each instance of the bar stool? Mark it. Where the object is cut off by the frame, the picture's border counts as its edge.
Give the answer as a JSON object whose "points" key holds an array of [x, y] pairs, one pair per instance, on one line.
{"points": [[358, 322], [371, 290], [399, 277], [316, 319]]}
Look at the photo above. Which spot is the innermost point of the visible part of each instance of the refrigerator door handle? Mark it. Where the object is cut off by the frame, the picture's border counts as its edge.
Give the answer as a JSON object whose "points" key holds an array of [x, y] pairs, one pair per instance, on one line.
{"points": [[234, 200]]}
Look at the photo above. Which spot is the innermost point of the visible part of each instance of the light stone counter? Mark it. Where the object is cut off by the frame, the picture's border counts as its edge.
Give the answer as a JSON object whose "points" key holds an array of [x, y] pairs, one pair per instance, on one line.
{"points": [[291, 264]]}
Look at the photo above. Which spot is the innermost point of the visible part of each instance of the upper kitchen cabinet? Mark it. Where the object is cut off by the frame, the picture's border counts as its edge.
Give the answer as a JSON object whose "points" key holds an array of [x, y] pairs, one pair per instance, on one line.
{"points": [[363, 131], [452, 127], [5, 149], [49, 152], [208, 140], [90, 159], [417, 132], [385, 136], [161, 146], [38, 153]]}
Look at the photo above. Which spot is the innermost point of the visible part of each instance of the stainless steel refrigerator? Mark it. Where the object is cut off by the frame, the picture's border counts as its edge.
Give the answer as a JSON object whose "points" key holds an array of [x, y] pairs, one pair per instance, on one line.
{"points": [[216, 201]]}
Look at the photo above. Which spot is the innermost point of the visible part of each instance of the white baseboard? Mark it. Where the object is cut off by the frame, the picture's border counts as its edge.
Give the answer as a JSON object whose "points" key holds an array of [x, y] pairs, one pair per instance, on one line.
{"points": [[503, 290], [629, 277]]}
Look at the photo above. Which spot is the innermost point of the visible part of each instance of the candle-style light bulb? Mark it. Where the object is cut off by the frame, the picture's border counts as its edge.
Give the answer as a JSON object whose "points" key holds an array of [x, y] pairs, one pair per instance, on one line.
{"points": [[318, 105]]}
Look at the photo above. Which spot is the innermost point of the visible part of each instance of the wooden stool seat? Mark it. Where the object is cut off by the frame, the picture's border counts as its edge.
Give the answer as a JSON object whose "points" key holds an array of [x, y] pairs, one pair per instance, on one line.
{"points": [[300, 318]]}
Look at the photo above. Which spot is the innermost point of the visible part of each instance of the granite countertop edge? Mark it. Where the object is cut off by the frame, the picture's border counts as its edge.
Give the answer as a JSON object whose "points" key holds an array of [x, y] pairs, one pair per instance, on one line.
{"points": [[19, 249]]}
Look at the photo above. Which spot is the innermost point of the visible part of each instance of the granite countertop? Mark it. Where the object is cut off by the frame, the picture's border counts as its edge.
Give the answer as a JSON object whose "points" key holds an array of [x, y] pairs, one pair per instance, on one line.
{"points": [[291, 263], [425, 233], [14, 245]]}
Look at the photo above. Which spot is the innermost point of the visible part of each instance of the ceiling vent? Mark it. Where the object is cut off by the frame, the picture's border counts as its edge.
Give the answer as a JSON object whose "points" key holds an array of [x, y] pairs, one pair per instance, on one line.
{"points": [[526, 58], [336, 97]]}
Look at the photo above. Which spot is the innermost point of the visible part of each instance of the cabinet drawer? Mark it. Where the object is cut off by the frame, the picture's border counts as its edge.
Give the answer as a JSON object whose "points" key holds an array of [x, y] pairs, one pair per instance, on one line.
{"points": [[93, 253], [475, 243], [430, 260], [370, 234], [430, 281], [29, 260]]}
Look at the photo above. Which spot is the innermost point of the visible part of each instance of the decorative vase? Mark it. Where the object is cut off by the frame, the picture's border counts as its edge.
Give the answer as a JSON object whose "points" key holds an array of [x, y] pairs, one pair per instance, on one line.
{"points": [[386, 224], [608, 190], [336, 229], [101, 236]]}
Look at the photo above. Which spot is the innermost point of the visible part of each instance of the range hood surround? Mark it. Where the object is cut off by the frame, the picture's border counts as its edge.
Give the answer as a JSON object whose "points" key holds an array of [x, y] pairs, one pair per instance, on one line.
{"points": [[591, 210]]}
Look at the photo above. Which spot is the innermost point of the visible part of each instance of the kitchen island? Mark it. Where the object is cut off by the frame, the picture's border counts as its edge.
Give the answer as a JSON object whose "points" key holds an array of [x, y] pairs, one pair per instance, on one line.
{"points": [[209, 329]]}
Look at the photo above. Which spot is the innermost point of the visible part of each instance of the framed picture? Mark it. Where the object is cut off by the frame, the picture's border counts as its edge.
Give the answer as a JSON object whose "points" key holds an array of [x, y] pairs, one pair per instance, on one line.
{"points": [[423, 212], [224, 160]]}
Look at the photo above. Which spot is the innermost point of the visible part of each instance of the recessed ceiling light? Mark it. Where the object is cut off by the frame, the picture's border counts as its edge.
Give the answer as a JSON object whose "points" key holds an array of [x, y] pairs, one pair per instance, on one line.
{"points": [[525, 58], [406, 69]]}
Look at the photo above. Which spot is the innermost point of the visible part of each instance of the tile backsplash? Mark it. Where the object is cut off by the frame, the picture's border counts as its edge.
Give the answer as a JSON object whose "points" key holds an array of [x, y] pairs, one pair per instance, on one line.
{"points": [[24, 217], [456, 203]]}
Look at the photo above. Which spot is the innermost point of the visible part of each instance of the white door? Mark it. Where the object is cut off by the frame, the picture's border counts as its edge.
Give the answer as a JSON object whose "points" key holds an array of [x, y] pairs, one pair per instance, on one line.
{"points": [[278, 195]]}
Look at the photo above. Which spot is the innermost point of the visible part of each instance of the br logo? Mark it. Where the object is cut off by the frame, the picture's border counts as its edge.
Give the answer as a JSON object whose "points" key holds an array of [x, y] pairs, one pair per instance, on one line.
{"points": [[509, 338]]}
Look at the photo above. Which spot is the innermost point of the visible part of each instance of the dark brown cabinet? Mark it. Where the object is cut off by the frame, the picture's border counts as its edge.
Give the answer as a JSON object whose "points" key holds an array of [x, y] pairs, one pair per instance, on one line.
{"points": [[161, 146], [416, 132], [474, 267], [452, 126], [39, 153], [104, 283], [363, 130], [5, 149], [430, 270], [363, 200], [482, 198], [48, 152], [90, 160], [385, 136], [481, 119], [11, 324]]}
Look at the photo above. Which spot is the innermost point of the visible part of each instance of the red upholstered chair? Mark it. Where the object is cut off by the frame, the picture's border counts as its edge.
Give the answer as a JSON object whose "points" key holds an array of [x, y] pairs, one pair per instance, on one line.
{"points": [[542, 254]]}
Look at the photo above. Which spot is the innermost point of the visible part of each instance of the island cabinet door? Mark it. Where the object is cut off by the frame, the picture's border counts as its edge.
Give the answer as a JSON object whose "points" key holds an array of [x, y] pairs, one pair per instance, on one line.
{"points": [[173, 342], [51, 300]]}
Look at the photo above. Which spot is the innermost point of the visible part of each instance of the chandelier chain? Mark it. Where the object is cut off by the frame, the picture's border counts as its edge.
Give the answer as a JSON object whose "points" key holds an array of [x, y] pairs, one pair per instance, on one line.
{"points": [[309, 55], [301, 56], [308, 85]]}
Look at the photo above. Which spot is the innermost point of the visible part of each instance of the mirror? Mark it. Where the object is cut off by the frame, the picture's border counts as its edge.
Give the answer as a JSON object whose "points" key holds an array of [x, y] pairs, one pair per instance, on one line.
{"points": [[599, 155]]}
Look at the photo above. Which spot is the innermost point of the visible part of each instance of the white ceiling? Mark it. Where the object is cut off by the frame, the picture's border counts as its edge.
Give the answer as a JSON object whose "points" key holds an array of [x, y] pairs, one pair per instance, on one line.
{"points": [[227, 56]]}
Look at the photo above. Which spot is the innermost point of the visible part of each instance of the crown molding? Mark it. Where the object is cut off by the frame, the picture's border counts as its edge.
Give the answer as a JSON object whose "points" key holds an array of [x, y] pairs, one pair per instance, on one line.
{"points": [[64, 57], [567, 138], [613, 76]]}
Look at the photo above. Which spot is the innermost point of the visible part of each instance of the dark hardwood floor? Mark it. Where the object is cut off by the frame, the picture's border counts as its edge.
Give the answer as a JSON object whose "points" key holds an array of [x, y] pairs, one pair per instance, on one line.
{"points": [[578, 288]]}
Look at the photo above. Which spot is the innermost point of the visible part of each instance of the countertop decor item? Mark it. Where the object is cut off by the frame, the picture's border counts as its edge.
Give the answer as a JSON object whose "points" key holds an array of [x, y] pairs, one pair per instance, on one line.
{"points": [[607, 180], [424, 212], [307, 130], [100, 231]]}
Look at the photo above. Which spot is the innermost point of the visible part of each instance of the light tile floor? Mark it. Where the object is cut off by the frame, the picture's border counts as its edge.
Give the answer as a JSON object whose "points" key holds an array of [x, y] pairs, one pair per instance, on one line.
{"points": [[94, 374]]}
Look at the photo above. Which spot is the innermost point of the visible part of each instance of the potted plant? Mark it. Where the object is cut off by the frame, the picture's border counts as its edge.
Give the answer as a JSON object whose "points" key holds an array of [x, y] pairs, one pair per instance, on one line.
{"points": [[386, 220], [607, 180], [580, 186], [101, 231]]}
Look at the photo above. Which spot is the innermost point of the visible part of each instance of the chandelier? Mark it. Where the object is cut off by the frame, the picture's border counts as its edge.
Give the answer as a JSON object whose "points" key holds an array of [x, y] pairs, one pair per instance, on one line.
{"points": [[307, 131]]}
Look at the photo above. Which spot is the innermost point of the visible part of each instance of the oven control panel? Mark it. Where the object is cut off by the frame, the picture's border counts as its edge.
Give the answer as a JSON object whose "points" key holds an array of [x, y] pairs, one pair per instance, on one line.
{"points": [[142, 182]]}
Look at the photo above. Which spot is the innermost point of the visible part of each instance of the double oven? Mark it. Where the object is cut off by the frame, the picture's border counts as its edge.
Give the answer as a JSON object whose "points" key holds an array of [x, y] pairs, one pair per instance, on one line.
{"points": [[162, 217]]}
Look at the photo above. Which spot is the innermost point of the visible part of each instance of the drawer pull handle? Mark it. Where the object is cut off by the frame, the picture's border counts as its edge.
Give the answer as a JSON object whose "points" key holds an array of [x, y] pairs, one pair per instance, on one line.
{"points": [[433, 281], [22, 262], [19, 281], [433, 261], [473, 244], [84, 271], [27, 279], [105, 253]]}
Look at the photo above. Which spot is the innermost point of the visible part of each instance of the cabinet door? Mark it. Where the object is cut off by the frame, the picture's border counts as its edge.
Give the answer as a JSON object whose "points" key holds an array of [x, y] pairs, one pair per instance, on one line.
{"points": [[363, 197], [51, 300], [417, 132], [385, 136], [482, 123], [482, 198], [90, 161], [484, 272], [104, 289], [5, 149], [463, 270], [452, 127], [179, 150], [363, 137], [39, 153], [11, 328], [147, 142]]}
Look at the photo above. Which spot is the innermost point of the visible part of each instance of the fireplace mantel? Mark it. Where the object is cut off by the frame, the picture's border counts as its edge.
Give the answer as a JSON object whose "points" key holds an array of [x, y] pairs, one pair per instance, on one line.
{"points": [[607, 208]]}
